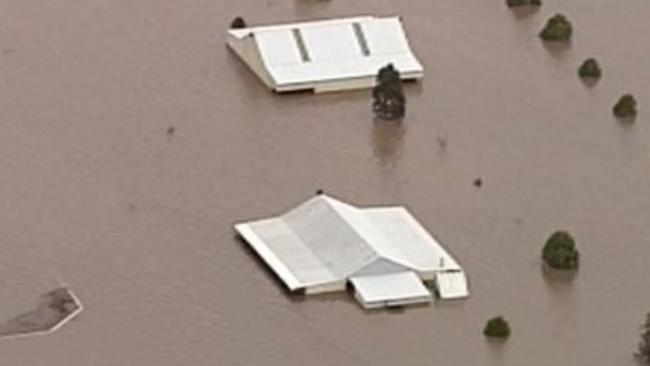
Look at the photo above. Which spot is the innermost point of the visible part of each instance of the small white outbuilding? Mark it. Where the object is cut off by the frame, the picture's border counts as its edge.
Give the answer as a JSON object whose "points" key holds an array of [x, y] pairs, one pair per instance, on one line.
{"points": [[325, 55], [382, 252]]}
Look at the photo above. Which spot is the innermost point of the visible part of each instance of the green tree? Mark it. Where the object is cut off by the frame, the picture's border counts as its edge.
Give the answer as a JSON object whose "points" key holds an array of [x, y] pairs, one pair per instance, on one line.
{"points": [[497, 327], [238, 23], [389, 101], [558, 28], [560, 252], [625, 107], [590, 69], [644, 345]]}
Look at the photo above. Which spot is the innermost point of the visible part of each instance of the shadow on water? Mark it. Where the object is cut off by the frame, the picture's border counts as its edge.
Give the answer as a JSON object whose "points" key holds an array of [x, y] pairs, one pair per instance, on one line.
{"points": [[387, 139], [392, 310], [560, 283], [308, 99], [557, 49], [589, 83], [497, 348], [523, 12], [556, 277], [626, 122]]}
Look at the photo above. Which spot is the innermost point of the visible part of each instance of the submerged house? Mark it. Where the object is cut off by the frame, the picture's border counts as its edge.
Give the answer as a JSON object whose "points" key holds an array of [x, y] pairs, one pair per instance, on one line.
{"points": [[325, 55], [383, 253]]}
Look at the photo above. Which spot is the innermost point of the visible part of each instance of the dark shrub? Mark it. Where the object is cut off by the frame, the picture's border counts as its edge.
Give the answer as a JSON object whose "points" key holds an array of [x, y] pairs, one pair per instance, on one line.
{"points": [[560, 252], [589, 69], [388, 97], [644, 345], [625, 107], [238, 23], [497, 327], [558, 28]]}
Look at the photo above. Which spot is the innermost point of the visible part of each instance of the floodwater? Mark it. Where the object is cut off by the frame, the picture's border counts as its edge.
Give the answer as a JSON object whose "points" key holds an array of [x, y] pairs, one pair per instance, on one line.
{"points": [[138, 222]]}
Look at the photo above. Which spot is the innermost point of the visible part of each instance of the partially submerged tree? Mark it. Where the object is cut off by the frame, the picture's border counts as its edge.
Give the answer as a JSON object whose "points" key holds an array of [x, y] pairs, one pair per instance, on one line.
{"points": [[625, 107], [558, 28], [497, 327], [560, 251], [389, 101], [644, 345], [590, 69], [517, 3], [238, 23]]}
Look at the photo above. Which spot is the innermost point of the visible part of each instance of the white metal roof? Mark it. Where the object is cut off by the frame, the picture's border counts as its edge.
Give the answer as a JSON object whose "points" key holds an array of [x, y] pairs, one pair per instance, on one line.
{"points": [[325, 240], [390, 289], [422, 250], [305, 53], [451, 285]]}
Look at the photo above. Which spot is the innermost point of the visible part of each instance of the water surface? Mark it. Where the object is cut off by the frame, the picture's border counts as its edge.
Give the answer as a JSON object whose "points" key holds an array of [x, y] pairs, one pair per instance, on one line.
{"points": [[97, 195]]}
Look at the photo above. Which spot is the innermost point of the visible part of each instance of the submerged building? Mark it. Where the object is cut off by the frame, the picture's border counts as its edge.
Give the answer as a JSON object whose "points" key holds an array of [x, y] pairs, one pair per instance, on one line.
{"points": [[325, 55], [383, 253], [55, 309]]}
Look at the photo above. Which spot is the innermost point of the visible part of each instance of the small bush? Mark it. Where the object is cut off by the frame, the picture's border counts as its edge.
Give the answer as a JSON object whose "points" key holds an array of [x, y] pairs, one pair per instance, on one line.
{"points": [[625, 107], [644, 345], [589, 69], [238, 23], [560, 252], [497, 327], [558, 28], [517, 3]]}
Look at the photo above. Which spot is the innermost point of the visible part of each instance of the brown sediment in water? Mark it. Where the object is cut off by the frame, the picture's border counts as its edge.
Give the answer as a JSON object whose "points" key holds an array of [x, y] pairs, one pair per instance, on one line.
{"points": [[54, 308], [92, 86]]}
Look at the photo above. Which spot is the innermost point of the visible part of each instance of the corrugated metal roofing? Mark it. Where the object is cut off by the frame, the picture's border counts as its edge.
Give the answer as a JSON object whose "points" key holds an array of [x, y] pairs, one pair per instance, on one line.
{"points": [[324, 242], [422, 250], [390, 289], [451, 285], [330, 235], [308, 53]]}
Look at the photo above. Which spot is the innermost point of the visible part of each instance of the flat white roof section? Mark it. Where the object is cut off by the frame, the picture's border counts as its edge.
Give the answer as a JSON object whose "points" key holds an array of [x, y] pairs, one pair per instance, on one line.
{"points": [[325, 243], [451, 285], [278, 48], [421, 249], [393, 289], [325, 55]]}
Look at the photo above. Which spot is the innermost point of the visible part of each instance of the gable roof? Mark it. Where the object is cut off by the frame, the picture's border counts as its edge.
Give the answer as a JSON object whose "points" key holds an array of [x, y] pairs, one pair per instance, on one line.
{"points": [[325, 240], [323, 220], [299, 55]]}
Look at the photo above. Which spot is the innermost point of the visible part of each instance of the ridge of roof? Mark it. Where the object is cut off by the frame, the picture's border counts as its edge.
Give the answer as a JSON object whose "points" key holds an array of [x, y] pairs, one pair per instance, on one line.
{"points": [[355, 220], [243, 32]]}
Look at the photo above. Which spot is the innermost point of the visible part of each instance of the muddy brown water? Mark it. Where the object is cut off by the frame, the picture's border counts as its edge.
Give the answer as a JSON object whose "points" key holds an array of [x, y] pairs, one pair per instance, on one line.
{"points": [[96, 195]]}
